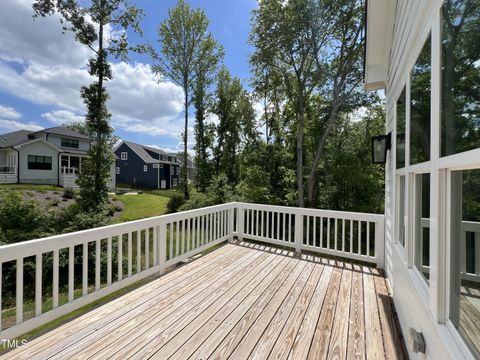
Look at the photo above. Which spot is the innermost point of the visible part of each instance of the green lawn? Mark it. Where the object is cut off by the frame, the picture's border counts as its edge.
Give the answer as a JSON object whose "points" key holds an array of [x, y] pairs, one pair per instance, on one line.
{"points": [[141, 206]]}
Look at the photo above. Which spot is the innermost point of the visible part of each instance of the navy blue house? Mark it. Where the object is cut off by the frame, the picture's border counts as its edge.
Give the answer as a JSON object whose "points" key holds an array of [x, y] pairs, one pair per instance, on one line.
{"points": [[146, 167]]}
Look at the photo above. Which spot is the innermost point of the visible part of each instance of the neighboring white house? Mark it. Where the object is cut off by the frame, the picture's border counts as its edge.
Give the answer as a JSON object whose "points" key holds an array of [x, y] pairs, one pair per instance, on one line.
{"points": [[426, 56], [50, 156]]}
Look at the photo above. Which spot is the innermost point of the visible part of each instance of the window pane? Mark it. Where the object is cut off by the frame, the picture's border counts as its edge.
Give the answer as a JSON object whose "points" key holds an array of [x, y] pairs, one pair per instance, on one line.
{"points": [[401, 108], [420, 107], [465, 256], [460, 76], [422, 224]]}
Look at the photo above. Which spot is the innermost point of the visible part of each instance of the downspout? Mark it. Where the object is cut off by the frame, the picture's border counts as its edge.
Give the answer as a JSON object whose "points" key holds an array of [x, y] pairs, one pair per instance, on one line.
{"points": [[58, 169]]}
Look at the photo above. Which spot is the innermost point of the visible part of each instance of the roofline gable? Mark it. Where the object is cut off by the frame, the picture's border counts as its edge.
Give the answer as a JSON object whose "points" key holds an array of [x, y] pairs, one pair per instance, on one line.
{"points": [[37, 140]]}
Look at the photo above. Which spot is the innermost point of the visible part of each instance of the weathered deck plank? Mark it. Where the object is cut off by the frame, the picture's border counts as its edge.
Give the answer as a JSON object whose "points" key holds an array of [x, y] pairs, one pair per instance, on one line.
{"points": [[238, 302]]}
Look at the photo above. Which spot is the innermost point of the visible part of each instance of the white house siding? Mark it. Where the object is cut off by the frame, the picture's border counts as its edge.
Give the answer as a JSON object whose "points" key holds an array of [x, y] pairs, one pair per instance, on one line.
{"points": [[57, 141], [418, 306], [38, 176]]}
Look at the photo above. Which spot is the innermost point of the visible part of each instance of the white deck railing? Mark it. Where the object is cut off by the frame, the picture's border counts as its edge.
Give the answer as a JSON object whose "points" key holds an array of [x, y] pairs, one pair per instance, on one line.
{"points": [[8, 169], [112, 257]]}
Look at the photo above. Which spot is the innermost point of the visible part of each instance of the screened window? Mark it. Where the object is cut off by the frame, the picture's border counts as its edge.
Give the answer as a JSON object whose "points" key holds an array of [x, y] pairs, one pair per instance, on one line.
{"points": [[422, 225], [39, 162], [420, 107], [465, 256], [401, 116], [460, 111], [70, 143]]}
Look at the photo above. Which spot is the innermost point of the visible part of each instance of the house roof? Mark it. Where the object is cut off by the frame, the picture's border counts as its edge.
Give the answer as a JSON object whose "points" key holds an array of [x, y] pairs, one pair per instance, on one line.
{"points": [[379, 32], [14, 138], [63, 131], [179, 156], [141, 151]]}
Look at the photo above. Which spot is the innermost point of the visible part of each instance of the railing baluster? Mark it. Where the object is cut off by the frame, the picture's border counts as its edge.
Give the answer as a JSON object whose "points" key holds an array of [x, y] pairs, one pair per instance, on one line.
{"points": [[335, 234], [162, 244], [129, 254], [183, 236], [477, 253], [147, 248], [359, 238], [177, 241], [71, 273], [19, 290], [38, 284], [85, 269], [321, 232], [307, 218], [284, 225], [368, 238], [155, 250], [55, 279], [290, 222], [189, 227], [120, 257], [139, 251], [328, 233], [343, 234], [97, 264], [109, 260], [314, 243], [170, 240], [351, 236], [211, 228]]}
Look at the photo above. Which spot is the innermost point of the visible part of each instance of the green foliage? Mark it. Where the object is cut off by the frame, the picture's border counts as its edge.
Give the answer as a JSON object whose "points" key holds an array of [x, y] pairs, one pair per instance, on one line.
{"points": [[220, 190], [187, 51], [175, 202], [68, 193], [197, 201], [83, 19]]}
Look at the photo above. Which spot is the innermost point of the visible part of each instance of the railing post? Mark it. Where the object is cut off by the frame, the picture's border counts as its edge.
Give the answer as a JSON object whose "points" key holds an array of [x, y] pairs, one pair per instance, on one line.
{"points": [[380, 243], [241, 222], [298, 233], [231, 214], [162, 246]]}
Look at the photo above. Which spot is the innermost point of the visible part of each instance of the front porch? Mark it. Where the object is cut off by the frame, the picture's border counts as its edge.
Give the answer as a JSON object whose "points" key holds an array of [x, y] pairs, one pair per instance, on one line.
{"points": [[8, 166], [245, 299]]}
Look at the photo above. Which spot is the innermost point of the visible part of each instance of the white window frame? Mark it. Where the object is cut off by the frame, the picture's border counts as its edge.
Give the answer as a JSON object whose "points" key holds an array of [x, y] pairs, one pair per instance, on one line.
{"points": [[117, 170], [145, 168], [124, 155]]}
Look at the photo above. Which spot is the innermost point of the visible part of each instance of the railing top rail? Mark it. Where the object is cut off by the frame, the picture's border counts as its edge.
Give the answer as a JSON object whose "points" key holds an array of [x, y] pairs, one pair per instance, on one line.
{"points": [[312, 212], [32, 247]]}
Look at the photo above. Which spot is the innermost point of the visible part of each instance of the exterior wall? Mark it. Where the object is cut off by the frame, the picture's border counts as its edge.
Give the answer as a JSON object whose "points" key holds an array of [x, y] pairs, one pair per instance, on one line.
{"points": [[419, 306], [57, 141], [38, 176], [131, 171]]}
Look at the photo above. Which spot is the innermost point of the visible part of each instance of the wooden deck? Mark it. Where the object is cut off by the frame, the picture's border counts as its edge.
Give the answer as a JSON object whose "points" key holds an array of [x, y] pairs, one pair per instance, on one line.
{"points": [[240, 301], [470, 316]]}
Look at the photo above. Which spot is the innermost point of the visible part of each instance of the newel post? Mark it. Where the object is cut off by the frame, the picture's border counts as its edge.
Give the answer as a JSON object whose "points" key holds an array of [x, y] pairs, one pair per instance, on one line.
{"points": [[162, 246], [298, 232], [380, 243], [231, 229], [240, 222]]}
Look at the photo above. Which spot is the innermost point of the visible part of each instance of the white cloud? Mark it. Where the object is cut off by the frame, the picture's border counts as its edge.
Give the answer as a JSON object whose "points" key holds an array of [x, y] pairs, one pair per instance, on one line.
{"points": [[50, 69], [12, 125], [62, 117], [7, 112]]}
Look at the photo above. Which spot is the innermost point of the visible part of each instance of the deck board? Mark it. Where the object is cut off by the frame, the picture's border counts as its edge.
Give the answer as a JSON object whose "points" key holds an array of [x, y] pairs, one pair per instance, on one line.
{"points": [[239, 301]]}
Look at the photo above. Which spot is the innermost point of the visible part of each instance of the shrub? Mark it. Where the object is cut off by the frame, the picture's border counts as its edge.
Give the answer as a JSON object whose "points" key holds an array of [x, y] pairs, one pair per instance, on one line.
{"points": [[68, 193], [197, 201], [175, 202]]}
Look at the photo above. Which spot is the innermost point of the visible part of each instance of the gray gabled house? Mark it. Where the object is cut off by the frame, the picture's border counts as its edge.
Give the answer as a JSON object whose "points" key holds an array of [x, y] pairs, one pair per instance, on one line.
{"points": [[146, 167]]}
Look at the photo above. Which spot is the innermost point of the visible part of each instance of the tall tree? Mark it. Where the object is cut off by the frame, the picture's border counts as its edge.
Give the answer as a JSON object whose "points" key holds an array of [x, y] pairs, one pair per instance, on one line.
{"points": [[205, 74], [282, 36], [90, 22], [185, 45], [237, 125]]}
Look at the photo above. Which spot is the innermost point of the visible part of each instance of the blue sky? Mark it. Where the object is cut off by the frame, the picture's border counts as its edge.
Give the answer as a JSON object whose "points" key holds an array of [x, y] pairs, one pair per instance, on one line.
{"points": [[41, 72]]}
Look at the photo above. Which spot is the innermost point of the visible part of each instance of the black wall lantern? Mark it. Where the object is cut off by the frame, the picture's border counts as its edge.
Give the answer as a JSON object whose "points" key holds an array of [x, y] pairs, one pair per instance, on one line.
{"points": [[380, 145]]}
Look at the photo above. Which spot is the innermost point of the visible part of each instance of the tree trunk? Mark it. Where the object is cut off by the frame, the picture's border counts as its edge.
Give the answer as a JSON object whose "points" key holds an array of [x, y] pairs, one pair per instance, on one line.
{"points": [[98, 175], [185, 148], [301, 124], [313, 177]]}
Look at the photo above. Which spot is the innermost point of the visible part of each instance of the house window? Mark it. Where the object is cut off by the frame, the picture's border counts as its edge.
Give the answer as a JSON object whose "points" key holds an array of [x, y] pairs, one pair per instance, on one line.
{"points": [[70, 143], [460, 100], [174, 182], [156, 166], [145, 168], [422, 225], [420, 107], [39, 162], [117, 171], [124, 156], [401, 125], [465, 256]]}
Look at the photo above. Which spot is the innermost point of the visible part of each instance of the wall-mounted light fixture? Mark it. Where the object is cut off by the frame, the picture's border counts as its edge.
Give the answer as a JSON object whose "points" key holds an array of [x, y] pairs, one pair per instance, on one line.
{"points": [[380, 145]]}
